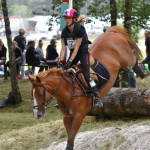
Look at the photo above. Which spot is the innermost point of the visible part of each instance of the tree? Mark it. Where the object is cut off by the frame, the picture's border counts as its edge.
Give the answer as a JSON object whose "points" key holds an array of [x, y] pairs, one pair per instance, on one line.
{"points": [[113, 12], [15, 93]]}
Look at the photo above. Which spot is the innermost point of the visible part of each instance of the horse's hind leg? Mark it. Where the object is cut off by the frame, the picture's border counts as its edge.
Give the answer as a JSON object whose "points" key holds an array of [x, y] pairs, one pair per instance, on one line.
{"points": [[73, 129]]}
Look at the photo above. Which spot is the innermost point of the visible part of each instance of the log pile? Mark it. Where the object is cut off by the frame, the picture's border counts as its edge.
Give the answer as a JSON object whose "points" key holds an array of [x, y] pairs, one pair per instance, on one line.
{"points": [[127, 102]]}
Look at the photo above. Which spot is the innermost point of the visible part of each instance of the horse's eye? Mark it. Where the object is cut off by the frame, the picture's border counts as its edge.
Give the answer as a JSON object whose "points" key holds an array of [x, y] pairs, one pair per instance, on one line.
{"points": [[40, 95]]}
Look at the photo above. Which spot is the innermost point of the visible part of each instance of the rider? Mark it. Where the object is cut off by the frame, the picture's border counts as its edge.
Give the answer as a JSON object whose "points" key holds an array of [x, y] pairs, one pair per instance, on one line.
{"points": [[75, 37]]}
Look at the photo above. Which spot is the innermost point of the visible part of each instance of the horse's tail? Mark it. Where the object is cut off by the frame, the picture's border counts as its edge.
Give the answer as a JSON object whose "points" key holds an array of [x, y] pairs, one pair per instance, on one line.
{"points": [[138, 52], [124, 32]]}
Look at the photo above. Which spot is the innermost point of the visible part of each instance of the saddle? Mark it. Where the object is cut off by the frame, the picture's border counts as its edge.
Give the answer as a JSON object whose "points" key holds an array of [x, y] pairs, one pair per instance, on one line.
{"points": [[98, 72]]}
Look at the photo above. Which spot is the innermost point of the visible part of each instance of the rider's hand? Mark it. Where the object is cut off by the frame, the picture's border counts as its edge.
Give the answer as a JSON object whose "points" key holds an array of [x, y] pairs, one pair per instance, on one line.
{"points": [[67, 65]]}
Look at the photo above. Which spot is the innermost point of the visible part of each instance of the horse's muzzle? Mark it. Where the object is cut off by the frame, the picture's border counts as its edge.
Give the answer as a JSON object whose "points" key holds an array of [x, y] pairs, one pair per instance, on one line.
{"points": [[38, 113]]}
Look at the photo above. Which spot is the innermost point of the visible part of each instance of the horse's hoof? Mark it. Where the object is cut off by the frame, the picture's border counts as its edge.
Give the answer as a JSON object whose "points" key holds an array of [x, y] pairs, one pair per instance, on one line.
{"points": [[69, 147]]}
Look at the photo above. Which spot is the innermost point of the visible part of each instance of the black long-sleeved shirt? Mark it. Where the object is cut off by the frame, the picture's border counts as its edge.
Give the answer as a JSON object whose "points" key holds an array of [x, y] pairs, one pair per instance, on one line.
{"points": [[147, 43], [31, 55], [51, 52]]}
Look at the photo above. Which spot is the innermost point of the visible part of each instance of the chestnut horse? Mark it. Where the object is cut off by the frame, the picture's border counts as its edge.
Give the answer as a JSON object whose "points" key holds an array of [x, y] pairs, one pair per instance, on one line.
{"points": [[115, 49]]}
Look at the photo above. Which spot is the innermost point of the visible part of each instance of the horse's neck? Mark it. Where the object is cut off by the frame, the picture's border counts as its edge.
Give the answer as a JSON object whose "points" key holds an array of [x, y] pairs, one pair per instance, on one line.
{"points": [[60, 87]]}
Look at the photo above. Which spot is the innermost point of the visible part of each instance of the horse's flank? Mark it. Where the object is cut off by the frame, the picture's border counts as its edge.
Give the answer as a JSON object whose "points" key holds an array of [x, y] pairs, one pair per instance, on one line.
{"points": [[117, 43], [124, 33], [116, 50]]}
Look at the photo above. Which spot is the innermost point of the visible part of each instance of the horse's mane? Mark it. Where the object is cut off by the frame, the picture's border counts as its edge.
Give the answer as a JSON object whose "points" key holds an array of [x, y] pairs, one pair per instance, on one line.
{"points": [[52, 71], [124, 33]]}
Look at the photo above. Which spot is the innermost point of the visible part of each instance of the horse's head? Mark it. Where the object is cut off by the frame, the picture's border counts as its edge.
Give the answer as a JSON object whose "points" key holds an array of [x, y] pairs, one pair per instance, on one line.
{"points": [[42, 95]]}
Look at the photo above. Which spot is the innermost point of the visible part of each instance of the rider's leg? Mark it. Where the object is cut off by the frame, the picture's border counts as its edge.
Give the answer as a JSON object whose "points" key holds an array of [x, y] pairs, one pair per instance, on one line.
{"points": [[84, 59], [97, 101]]}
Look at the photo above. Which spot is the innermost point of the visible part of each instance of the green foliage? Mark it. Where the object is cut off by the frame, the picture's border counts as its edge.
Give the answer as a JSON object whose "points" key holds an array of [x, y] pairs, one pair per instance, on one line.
{"points": [[140, 13], [100, 9], [78, 5], [135, 30]]}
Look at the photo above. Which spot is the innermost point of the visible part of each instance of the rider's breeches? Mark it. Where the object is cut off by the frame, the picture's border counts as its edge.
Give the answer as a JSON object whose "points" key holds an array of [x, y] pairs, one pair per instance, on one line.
{"points": [[83, 57]]}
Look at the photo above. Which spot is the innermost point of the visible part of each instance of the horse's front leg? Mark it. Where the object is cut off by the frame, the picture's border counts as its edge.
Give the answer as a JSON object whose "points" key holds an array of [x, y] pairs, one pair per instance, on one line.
{"points": [[68, 123], [72, 126]]}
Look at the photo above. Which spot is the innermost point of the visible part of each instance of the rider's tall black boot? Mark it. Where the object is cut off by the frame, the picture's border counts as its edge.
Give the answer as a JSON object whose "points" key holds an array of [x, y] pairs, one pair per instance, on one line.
{"points": [[139, 71], [97, 101]]}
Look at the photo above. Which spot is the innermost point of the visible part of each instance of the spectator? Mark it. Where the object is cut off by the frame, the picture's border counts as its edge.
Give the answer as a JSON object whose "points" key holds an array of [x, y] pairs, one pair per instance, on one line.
{"points": [[39, 50], [51, 54], [146, 37], [18, 58], [32, 57], [147, 44], [3, 51], [21, 41]]}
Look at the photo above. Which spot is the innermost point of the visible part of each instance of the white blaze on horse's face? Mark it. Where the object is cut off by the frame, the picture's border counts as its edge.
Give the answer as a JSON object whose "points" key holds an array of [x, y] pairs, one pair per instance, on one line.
{"points": [[36, 112], [35, 103]]}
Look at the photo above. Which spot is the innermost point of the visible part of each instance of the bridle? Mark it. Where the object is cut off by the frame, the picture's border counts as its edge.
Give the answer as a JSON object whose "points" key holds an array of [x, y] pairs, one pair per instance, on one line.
{"points": [[43, 95]]}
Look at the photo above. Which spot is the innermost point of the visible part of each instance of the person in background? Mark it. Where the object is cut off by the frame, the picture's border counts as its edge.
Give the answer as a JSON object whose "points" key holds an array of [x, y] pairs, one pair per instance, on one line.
{"points": [[39, 50], [146, 34], [32, 57], [18, 58], [21, 41], [147, 44], [51, 54], [3, 51], [74, 36]]}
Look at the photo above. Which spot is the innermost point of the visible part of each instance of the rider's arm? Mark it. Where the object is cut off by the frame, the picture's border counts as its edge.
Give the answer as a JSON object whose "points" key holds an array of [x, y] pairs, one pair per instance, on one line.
{"points": [[77, 45], [63, 49]]}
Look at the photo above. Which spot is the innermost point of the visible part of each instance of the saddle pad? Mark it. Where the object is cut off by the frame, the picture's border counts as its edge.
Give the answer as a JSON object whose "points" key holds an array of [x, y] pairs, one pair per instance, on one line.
{"points": [[102, 73]]}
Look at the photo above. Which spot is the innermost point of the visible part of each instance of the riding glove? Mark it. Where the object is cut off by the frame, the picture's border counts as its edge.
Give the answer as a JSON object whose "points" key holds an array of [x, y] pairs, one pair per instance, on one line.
{"points": [[67, 65]]}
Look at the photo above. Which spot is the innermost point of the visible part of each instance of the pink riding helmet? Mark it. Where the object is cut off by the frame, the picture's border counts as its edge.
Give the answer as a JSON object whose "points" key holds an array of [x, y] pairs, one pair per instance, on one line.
{"points": [[70, 13]]}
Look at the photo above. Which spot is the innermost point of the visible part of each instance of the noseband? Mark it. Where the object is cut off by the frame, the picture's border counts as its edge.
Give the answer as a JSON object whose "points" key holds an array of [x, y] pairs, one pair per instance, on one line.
{"points": [[43, 95]]}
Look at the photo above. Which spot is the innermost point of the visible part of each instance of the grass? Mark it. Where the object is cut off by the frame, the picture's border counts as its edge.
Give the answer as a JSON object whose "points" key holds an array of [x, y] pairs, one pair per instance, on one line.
{"points": [[18, 125]]}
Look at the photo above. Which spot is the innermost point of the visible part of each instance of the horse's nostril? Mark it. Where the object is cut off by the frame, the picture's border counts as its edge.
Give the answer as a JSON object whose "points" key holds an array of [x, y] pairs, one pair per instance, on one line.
{"points": [[40, 113], [39, 116]]}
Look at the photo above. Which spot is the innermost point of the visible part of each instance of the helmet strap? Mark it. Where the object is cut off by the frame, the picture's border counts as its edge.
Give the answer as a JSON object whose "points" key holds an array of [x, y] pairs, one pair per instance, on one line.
{"points": [[72, 22]]}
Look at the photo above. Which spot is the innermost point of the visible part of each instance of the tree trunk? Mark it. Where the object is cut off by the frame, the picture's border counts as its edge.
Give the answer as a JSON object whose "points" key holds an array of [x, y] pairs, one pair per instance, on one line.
{"points": [[113, 12], [129, 102], [14, 83], [127, 14]]}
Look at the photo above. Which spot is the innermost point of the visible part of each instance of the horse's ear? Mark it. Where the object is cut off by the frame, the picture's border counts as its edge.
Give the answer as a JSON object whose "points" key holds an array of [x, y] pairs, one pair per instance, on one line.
{"points": [[38, 79], [31, 78]]}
